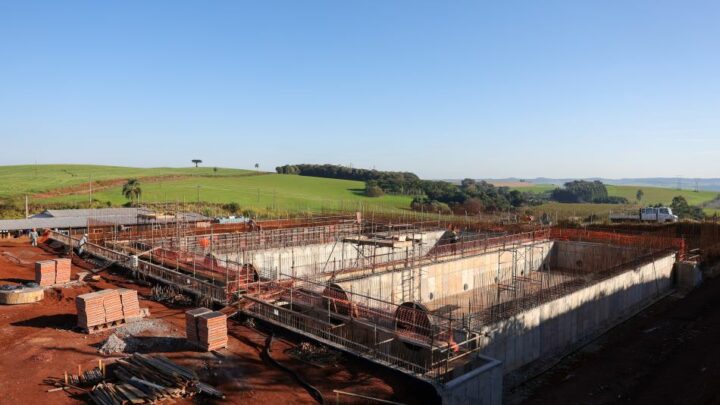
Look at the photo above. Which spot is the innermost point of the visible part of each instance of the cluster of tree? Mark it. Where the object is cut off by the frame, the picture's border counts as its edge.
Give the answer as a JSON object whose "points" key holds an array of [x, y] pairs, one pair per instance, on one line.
{"points": [[581, 191], [470, 197], [389, 182], [683, 210]]}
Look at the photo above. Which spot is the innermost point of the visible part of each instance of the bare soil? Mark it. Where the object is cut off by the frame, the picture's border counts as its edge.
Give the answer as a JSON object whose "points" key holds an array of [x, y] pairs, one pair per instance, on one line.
{"points": [[40, 341]]}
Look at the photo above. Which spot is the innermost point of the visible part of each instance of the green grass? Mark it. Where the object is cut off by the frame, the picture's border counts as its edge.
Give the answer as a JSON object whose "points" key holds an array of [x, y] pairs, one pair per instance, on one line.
{"points": [[563, 211], [658, 195], [30, 179], [269, 192], [652, 196], [262, 192]]}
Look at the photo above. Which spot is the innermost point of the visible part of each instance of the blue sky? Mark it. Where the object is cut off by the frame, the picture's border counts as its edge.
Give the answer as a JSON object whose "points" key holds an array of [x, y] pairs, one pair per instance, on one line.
{"points": [[444, 89]]}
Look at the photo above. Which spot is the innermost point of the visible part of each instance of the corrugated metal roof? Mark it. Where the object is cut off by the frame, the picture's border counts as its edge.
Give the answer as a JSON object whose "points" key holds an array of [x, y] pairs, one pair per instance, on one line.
{"points": [[63, 219], [93, 213]]}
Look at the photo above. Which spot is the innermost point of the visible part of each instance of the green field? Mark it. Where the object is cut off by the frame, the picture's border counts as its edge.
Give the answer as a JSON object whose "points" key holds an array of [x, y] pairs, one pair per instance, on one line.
{"points": [[267, 191], [31, 179], [260, 192], [652, 196]]}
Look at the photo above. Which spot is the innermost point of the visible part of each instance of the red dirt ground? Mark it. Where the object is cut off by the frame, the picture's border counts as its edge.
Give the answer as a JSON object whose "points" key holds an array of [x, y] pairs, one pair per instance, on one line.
{"points": [[668, 354], [39, 342]]}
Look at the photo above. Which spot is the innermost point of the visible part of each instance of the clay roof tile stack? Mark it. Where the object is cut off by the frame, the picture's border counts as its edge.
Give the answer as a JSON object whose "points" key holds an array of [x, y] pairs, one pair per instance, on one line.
{"points": [[212, 331], [45, 272]]}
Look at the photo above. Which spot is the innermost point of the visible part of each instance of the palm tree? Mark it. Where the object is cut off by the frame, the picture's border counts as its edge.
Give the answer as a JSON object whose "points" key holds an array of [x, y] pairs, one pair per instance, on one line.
{"points": [[131, 190]]}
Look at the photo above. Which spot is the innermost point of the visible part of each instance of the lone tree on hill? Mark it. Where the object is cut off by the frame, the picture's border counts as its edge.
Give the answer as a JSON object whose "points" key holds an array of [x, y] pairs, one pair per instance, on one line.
{"points": [[131, 190], [196, 161], [257, 166], [639, 195]]}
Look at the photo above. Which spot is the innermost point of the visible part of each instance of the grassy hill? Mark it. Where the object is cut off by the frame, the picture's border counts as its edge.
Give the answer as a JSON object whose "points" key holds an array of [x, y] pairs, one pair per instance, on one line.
{"points": [[60, 185], [69, 184], [32, 179], [653, 195]]}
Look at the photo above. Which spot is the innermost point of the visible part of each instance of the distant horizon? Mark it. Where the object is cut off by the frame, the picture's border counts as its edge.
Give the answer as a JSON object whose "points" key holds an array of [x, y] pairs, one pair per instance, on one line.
{"points": [[272, 170]]}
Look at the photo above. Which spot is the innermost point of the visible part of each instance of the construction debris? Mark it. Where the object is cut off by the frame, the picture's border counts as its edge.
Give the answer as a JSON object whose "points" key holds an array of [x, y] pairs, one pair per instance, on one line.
{"points": [[150, 379], [113, 344], [314, 354], [169, 294], [86, 378]]}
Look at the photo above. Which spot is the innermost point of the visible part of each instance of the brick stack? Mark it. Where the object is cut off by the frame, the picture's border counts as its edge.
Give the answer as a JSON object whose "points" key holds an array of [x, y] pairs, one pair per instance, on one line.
{"points": [[106, 306], [45, 272], [90, 308], [212, 331], [191, 324], [130, 303], [62, 271], [113, 306]]}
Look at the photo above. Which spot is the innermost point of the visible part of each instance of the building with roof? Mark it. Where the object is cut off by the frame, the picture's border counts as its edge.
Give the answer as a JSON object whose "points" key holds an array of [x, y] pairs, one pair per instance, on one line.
{"points": [[79, 218]]}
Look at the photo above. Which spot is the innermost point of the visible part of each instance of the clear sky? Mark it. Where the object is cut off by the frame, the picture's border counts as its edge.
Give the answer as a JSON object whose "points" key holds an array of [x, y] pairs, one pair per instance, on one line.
{"points": [[446, 89]]}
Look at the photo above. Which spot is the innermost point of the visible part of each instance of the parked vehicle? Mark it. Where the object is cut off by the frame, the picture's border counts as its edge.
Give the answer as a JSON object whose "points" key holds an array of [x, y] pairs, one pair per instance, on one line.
{"points": [[651, 214]]}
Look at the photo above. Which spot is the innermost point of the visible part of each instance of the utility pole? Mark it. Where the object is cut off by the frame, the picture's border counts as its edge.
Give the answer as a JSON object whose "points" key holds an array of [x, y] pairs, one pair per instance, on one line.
{"points": [[91, 190], [27, 212]]}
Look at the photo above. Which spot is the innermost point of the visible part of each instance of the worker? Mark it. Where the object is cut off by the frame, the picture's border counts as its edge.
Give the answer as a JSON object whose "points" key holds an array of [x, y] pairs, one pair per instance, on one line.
{"points": [[33, 237], [81, 244]]}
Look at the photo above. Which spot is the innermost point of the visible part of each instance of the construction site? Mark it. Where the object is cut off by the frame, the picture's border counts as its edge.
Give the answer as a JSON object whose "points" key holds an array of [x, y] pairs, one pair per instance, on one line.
{"points": [[420, 310]]}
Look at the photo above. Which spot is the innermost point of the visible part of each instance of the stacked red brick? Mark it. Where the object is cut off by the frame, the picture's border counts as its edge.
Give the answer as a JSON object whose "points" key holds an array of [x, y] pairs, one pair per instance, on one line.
{"points": [[106, 306], [212, 331], [206, 329], [130, 303], [62, 271], [51, 272], [91, 309], [191, 324], [45, 272]]}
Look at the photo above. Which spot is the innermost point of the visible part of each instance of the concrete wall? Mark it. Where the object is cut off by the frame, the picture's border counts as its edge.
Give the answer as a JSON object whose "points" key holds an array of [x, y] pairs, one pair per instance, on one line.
{"points": [[479, 386], [314, 259], [581, 256], [442, 279], [551, 327]]}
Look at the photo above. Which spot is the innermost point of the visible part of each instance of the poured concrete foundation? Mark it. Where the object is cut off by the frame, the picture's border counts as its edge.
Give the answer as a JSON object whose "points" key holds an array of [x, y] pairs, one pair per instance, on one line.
{"points": [[553, 326]]}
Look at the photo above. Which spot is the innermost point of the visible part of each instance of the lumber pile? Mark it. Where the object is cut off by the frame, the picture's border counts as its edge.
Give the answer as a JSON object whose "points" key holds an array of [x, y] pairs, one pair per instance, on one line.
{"points": [[212, 331], [51, 272], [150, 379], [45, 272], [106, 307], [85, 378]]}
